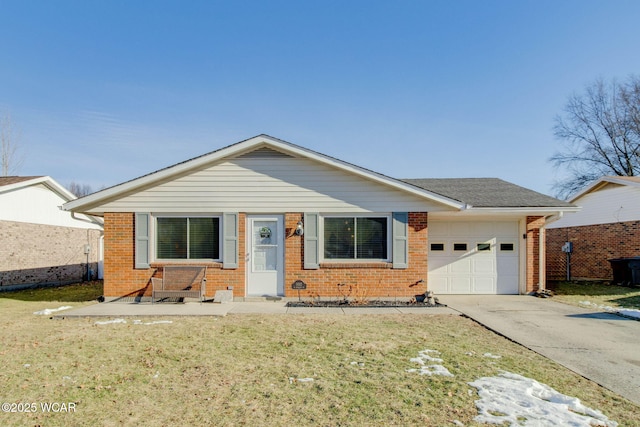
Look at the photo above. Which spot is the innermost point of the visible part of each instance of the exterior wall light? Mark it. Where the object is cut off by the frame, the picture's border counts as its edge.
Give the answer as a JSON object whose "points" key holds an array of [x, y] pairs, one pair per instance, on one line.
{"points": [[299, 229]]}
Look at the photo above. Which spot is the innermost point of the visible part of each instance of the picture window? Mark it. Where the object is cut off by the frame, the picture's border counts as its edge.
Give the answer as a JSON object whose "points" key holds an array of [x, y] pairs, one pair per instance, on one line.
{"points": [[356, 238], [187, 238]]}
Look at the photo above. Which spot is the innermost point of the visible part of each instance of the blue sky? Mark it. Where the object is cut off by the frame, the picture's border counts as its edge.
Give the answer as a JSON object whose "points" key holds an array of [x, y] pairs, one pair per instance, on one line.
{"points": [[106, 91]]}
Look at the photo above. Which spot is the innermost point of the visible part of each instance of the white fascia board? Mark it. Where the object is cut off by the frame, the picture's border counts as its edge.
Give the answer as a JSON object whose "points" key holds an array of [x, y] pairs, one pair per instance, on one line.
{"points": [[595, 186], [247, 145], [47, 181], [505, 212], [152, 177]]}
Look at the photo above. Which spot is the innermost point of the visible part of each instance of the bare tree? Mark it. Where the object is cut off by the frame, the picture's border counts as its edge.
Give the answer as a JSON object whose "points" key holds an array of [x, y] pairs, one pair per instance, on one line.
{"points": [[79, 190], [601, 132], [10, 157]]}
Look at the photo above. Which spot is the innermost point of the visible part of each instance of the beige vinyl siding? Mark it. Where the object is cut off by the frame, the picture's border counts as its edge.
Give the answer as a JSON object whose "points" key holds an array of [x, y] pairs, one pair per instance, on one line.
{"points": [[284, 184], [610, 204]]}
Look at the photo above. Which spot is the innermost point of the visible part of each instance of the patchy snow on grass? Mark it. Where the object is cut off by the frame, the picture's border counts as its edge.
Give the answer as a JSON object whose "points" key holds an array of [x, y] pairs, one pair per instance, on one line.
{"points": [[48, 311], [108, 322], [523, 401], [491, 356], [429, 369], [629, 312], [135, 322], [155, 322], [293, 380], [515, 400]]}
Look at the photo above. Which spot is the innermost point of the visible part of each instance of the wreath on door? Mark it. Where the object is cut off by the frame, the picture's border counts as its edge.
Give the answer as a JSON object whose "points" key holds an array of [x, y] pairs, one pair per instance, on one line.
{"points": [[265, 232]]}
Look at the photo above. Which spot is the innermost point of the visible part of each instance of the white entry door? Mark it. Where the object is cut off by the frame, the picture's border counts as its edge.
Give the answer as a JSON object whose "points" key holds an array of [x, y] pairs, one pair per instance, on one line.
{"points": [[265, 255]]}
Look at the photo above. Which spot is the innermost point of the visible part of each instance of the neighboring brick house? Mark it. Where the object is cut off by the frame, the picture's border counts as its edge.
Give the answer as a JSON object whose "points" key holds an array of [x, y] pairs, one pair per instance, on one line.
{"points": [[264, 213], [39, 242], [606, 227]]}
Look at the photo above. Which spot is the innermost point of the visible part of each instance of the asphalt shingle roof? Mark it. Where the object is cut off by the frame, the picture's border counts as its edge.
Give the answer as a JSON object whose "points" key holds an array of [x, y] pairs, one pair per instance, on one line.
{"points": [[9, 180], [487, 192]]}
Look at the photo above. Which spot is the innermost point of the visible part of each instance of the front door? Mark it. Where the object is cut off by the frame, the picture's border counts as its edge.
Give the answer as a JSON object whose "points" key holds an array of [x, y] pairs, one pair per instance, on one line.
{"points": [[265, 255]]}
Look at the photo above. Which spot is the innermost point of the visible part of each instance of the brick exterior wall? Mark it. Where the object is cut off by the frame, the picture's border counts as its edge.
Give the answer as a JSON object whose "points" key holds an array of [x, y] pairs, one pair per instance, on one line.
{"points": [[533, 252], [32, 254], [593, 246], [121, 279], [366, 279]]}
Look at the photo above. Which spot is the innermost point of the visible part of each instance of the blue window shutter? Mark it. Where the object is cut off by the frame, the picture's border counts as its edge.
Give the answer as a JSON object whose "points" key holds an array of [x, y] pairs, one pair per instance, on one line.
{"points": [[230, 240], [400, 240], [311, 241], [142, 240]]}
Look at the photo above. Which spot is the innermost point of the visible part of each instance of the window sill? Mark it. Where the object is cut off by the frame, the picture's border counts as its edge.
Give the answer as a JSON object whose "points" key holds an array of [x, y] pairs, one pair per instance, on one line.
{"points": [[343, 265], [208, 264]]}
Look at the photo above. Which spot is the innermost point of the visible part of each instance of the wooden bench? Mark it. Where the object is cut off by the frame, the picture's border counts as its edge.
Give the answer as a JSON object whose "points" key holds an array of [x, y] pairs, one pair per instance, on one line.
{"points": [[180, 281]]}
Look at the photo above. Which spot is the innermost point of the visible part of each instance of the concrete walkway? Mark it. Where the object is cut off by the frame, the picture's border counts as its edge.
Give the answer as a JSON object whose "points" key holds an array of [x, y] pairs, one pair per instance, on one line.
{"points": [[122, 309], [602, 347]]}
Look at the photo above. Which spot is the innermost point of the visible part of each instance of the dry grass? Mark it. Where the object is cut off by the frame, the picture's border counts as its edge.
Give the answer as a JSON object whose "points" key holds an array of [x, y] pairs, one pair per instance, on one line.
{"points": [[597, 293], [243, 370]]}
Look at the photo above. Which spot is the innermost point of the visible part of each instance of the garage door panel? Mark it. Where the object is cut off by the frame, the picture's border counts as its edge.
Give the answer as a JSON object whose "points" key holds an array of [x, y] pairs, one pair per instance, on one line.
{"points": [[461, 229], [461, 266], [483, 229], [506, 284], [460, 285], [483, 266], [507, 267], [484, 285], [437, 264], [439, 285], [474, 271]]}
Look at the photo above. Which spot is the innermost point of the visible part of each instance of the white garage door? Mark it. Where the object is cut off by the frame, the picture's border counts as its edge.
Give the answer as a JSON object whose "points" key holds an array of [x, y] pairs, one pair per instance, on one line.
{"points": [[473, 257]]}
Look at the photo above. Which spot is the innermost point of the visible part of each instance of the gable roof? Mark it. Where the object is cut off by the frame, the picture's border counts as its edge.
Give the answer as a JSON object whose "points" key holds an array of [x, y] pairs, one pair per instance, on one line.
{"points": [[488, 193], [631, 181], [457, 194], [252, 145], [11, 183]]}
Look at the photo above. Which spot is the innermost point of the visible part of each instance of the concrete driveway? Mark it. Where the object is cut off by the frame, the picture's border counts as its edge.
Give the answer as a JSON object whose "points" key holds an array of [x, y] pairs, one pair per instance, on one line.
{"points": [[602, 347]]}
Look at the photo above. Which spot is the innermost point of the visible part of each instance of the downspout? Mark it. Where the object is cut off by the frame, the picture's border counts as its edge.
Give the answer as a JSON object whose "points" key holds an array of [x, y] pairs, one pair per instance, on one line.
{"points": [[542, 249], [88, 246]]}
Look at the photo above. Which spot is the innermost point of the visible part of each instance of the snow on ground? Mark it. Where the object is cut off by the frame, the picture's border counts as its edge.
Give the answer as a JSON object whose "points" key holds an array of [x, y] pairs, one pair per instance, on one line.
{"points": [[517, 400], [523, 401], [108, 322], [491, 356], [429, 369], [135, 322], [48, 311], [629, 312]]}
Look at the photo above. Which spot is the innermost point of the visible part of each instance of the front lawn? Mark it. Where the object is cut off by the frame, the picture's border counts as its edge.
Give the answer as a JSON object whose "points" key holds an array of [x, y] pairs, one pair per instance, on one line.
{"points": [[85, 291], [596, 293], [268, 370]]}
